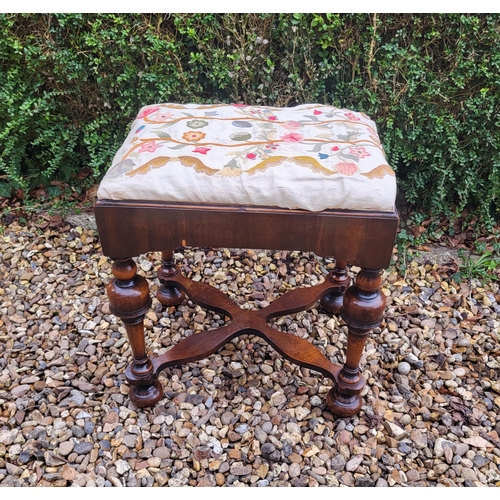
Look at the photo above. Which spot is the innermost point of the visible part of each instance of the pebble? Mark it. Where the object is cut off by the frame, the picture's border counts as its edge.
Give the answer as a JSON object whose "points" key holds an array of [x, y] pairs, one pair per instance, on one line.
{"points": [[404, 368], [83, 448]]}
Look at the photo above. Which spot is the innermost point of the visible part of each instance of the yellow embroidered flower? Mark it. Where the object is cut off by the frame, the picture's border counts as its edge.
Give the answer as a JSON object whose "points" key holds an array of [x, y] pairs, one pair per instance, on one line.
{"points": [[193, 136]]}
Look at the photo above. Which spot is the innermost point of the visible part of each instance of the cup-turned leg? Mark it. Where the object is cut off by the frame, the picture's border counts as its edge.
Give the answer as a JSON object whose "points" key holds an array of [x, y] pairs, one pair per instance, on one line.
{"points": [[129, 299], [168, 295], [332, 302], [362, 310]]}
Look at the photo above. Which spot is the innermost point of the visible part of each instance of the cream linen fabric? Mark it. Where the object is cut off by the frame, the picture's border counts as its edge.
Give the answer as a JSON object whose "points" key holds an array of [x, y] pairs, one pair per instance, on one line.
{"points": [[310, 157]]}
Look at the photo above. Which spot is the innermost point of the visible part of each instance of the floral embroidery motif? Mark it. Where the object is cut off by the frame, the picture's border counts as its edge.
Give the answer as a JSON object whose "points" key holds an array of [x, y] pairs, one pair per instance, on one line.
{"points": [[193, 136], [359, 151], [310, 157], [162, 116], [202, 150], [197, 123], [147, 111], [347, 168], [292, 137], [149, 147], [339, 138], [292, 125], [352, 116]]}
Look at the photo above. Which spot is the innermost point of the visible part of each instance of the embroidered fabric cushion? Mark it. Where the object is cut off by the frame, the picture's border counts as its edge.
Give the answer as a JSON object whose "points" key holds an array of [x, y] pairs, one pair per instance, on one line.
{"points": [[310, 157]]}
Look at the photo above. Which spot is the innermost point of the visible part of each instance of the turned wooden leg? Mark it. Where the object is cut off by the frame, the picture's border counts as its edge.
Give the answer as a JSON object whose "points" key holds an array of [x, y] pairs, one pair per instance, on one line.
{"points": [[362, 310], [129, 299], [332, 302], [168, 295]]}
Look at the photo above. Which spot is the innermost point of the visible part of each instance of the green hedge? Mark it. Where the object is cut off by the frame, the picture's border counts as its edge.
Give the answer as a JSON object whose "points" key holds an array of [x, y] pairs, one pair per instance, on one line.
{"points": [[71, 83]]}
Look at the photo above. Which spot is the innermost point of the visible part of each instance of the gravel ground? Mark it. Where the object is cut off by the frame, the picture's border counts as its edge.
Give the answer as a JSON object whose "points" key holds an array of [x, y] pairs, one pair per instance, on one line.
{"points": [[244, 416]]}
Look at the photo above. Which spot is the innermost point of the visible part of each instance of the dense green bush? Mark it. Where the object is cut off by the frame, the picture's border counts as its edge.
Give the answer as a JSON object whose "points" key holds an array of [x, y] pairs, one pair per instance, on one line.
{"points": [[71, 83]]}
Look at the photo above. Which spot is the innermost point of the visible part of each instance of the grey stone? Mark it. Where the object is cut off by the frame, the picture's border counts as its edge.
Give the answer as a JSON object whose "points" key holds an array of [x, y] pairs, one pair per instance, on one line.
{"points": [[354, 463], [122, 466], [65, 448], [130, 440], [364, 482], [267, 448], [83, 448], [242, 428], [479, 461], [338, 462], [404, 368], [260, 435], [241, 470]]}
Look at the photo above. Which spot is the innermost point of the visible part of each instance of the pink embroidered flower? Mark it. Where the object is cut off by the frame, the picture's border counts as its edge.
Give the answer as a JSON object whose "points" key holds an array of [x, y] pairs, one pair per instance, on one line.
{"points": [[292, 137], [351, 116], [147, 112], [335, 148], [202, 150], [273, 118], [149, 147], [346, 168], [251, 156], [359, 151], [162, 116], [317, 112], [292, 125]]}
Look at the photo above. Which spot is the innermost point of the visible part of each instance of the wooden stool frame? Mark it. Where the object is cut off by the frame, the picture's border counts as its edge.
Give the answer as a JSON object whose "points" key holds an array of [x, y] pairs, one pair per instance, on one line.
{"points": [[365, 239]]}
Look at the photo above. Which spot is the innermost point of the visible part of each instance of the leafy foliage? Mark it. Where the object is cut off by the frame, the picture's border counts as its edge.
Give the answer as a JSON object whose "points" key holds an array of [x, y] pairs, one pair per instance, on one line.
{"points": [[71, 83]]}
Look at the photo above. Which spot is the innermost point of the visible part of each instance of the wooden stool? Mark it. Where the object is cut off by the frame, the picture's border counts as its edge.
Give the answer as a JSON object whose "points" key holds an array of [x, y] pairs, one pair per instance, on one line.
{"points": [[311, 178]]}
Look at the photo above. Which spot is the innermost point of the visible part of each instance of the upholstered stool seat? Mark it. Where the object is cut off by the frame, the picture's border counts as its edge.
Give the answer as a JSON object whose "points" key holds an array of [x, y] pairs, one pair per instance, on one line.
{"points": [[311, 157], [312, 178]]}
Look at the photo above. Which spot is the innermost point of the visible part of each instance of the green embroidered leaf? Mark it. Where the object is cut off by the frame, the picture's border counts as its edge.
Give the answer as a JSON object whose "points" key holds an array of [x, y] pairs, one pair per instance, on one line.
{"points": [[163, 135], [348, 156], [187, 114], [232, 164], [180, 146], [240, 136], [168, 124], [312, 117], [316, 148]]}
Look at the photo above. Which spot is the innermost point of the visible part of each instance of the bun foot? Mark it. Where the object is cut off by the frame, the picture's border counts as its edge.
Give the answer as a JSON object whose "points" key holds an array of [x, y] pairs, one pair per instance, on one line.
{"points": [[343, 406], [332, 302], [170, 296], [146, 395]]}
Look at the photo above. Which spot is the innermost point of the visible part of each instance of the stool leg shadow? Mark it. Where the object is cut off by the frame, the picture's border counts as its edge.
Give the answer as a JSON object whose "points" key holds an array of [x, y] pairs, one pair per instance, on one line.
{"points": [[129, 299], [362, 310]]}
